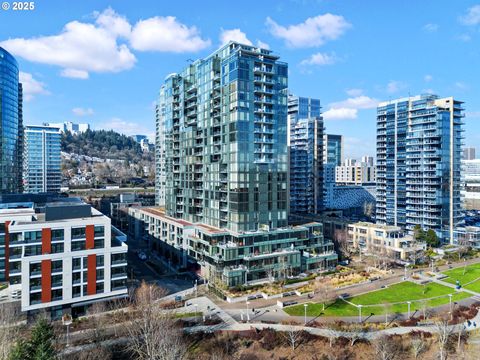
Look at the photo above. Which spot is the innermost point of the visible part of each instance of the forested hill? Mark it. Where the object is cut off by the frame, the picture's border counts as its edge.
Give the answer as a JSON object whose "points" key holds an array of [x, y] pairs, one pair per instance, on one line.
{"points": [[103, 144]]}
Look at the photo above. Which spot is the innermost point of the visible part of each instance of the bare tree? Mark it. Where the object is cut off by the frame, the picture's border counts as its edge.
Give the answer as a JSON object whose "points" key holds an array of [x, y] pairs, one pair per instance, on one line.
{"points": [[8, 329], [354, 334], [386, 348], [443, 332], [97, 317], [293, 334], [97, 353], [153, 332], [324, 292], [340, 237], [332, 334], [418, 346]]}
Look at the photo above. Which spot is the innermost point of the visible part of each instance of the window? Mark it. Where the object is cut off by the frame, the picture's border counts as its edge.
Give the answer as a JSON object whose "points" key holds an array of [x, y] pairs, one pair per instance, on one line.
{"points": [[57, 280], [58, 234], [99, 244], [120, 258], [57, 248], [78, 233], [57, 294], [35, 298], [99, 288], [35, 268], [99, 230], [77, 291], [119, 284], [33, 236], [76, 278], [119, 271], [35, 284], [100, 274], [57, 266], [14, 238], [100, 260], [78, 245], [77, 263]]}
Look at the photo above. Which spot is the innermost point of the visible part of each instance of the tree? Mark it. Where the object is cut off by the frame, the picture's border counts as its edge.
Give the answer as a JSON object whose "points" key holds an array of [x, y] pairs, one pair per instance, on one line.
{"points": [[340, 238], [324, 292], [386, 348], [153, 332], [332, 335], [41, 341], [443, 332], [418, 346], [431, 239], [8, 330], [418, 233], [292, 334]]}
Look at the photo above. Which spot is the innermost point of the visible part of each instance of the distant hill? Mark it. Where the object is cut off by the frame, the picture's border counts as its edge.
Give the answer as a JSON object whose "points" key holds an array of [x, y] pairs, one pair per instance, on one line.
{"points": [[104, 144]]}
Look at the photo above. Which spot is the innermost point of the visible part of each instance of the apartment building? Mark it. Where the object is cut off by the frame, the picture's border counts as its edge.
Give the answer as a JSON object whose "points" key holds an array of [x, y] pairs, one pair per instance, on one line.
{"points": [[306, 155], [385, 241], [353, 172], [419, 149], [61, 254], [222, 165], [42, 159], [232, 258]]}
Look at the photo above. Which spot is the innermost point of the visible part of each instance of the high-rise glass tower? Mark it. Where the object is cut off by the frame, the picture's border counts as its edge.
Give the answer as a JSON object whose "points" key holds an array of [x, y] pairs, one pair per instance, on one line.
{"points": [[419, 152], [221, 140], [333, 149], [42, 160], [11, 125], [306, 155]]}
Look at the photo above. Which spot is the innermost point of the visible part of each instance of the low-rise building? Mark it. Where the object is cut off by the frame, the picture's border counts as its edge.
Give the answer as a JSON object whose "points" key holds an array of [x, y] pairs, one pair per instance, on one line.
{"points": [[231, 258], [353, 172], [468, 235], [384, 240], [60, 254]]}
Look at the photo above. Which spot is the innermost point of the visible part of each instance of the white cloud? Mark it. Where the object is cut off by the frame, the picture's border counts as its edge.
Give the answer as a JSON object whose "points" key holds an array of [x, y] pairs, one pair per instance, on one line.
{"points": [[31, 86], [127, 127], [74, 74], [348, 109], [395, 86], [430, 27], [236, 35], [464, 37], [314, 31], [262, 45], [114, 23], [461, 85], [340, 114], [320, 59], [354, 92], [358, 102], [80, 48], [428, 78], [166, 34], [472, 17], [83, 111]]}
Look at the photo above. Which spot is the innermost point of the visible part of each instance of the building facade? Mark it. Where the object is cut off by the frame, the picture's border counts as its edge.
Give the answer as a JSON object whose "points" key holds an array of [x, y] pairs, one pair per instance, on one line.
{"points": [[353, 172], [469, 153], [419, 149], [222, 170], [306, 155], [42, 159], [389, 242], [71, 127], [11, 125], [61, 255], [222, 127], [333, 149]]}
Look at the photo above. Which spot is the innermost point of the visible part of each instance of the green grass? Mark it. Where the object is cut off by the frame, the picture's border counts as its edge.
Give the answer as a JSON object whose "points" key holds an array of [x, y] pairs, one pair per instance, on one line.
{"points": [[404, 291], [472, 272]]}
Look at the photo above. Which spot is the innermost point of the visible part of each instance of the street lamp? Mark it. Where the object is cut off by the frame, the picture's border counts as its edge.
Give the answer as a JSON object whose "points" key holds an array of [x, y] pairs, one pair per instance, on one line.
{"points": [[246, 276], [67, 321], [405, 278], [305, 306], [450, 301], [248, 314], [196, 311], [409, 303], [359, 313], [196, 287]]}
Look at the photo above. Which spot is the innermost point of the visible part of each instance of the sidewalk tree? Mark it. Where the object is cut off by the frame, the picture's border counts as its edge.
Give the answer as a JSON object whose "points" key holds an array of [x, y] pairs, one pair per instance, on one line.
{"points": [[431, 239], [154, 332], [8, 330], [443, 332]]}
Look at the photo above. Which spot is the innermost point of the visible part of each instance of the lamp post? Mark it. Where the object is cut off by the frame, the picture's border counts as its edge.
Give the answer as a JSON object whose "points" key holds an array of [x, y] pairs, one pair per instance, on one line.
{"points": [[360, 313], [405, 277], [196, 311], [246, 277], [450, 301], [305, 306], [196, 287], [67, 321], [409, 303], [248, 314]]}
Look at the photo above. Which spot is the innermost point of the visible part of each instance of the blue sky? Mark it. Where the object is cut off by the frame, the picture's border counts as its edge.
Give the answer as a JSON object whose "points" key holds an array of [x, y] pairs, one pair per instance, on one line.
{"points": [[103, 62]]}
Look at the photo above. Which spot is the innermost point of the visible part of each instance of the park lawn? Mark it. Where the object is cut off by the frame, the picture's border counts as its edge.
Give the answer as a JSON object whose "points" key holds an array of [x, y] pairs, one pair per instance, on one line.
{"points": [[404, 291], [472, 272]]}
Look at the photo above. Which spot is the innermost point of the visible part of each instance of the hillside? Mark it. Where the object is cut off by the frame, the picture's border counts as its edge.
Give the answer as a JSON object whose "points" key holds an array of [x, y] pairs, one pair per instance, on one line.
{"points": [[104, 144]]}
